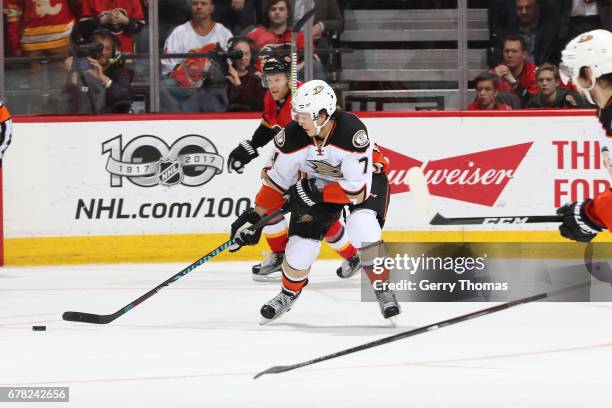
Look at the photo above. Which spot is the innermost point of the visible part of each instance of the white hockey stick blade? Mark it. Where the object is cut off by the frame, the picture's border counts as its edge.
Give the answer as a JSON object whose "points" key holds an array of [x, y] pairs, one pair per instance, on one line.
{"points": [[420, 193]]}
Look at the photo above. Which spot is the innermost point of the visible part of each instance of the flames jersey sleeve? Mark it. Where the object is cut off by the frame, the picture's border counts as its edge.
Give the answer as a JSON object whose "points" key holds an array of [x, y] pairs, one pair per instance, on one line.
{"points": [[601, 210], [341, 164], [276, 116]]}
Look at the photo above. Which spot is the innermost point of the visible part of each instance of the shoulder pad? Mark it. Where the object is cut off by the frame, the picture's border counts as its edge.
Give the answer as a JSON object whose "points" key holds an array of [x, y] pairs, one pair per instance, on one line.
{"points": [[291, 138], [350, 133]]}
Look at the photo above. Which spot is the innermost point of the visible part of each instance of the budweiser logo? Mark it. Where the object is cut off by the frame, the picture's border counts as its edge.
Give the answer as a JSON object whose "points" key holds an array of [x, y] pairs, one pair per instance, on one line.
{"points": [[476, 178]]}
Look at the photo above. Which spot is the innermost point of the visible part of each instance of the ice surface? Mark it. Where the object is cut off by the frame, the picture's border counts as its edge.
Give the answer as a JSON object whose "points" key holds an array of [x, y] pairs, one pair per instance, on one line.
{"points": [[197, 343]]}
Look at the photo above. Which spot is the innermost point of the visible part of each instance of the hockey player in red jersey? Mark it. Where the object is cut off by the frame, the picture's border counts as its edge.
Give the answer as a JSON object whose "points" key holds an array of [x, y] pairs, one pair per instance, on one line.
{"points": [[277, 114], [322, 162], [587, 60]]}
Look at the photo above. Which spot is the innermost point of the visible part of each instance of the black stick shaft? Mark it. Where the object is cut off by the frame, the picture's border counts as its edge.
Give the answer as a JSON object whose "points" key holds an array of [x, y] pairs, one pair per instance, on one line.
{"points": [[425, 329], [104, 319], [439, 219]]}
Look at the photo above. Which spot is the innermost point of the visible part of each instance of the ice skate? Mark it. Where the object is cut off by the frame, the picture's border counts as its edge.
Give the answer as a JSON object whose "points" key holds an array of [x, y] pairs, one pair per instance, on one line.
{"points": [[276, 307], [349, 267], [270, 268], [389, 306]]}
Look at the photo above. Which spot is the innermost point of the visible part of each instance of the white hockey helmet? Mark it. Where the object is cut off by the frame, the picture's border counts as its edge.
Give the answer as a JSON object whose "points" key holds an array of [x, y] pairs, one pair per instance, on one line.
{"points": [[592, 49], [313, 97]]}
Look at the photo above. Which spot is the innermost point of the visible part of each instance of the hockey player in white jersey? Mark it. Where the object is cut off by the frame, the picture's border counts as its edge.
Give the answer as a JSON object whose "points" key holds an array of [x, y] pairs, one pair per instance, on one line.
{"points": [[322, 161]]}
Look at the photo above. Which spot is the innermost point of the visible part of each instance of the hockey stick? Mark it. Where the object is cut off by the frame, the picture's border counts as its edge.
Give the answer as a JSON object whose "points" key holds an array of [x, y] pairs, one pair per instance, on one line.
{"points": [[425, 329], [297, 27], [422, 200], [105, 319]]}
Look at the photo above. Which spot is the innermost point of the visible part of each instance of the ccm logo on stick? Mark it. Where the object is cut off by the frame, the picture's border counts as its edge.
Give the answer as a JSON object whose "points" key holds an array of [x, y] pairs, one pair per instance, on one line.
{"points": [[506, 220]]}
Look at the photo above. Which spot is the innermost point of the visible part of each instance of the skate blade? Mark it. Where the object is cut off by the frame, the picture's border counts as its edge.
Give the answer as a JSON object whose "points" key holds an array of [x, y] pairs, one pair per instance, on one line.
{"points": [[263, 321], [266, 278]]}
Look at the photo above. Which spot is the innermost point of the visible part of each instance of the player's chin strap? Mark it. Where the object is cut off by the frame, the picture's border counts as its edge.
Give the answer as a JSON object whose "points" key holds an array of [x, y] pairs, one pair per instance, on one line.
{"points": [[321, 127]]}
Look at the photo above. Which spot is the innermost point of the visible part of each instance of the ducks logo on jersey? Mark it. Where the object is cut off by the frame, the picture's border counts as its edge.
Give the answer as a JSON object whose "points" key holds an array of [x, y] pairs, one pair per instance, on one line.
{"points": [[326, 169]]}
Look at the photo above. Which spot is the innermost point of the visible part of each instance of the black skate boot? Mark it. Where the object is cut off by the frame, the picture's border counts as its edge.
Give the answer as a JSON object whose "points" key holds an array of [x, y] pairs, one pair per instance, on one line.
{"points": [[388, 303], [349, 267], [267, 270], [276, 307]]}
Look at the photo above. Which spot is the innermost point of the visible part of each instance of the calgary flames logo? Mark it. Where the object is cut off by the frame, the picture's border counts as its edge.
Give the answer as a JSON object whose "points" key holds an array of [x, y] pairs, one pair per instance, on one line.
{"points": [[44, 7]]}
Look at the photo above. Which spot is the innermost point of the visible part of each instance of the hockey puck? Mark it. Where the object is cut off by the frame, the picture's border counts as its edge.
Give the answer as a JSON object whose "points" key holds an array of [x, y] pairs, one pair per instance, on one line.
{"points": [[39, 328]]}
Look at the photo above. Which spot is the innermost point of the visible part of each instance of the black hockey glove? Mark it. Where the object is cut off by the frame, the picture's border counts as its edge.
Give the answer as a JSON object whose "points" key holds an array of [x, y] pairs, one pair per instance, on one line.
{"points": [[576, 224], [304, 194], [240, 156], [241, 231]]}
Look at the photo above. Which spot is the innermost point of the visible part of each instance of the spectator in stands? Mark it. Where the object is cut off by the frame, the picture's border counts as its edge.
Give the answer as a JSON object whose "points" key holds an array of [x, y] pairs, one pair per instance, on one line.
{"points": [[236, 15], [276, 35], [328, 22], [122, 18], [487, 90], [537, 21], [172, 13], [196, 33], [107, 81], [580, 16], [516, 74], [552, 96], [244, 91], [327, 19], [37, 28], [196, 84]]}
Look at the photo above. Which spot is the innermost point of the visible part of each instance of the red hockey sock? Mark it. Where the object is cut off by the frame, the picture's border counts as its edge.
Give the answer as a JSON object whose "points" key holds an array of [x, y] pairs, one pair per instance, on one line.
{"points": [[293, 286], [337, 239]]}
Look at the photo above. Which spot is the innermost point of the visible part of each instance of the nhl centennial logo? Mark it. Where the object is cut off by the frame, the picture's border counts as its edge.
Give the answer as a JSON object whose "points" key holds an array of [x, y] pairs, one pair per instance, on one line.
{"points": [[148, 161]]}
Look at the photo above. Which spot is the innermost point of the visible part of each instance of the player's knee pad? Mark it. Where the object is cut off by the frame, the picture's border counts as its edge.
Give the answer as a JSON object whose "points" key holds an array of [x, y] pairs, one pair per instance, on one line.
{"points": [[363, 228], [301, 253]]}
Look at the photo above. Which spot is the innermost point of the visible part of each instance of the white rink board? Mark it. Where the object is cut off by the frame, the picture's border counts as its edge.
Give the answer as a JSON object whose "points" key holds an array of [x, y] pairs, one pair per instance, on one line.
{"points": [[52, 167]]}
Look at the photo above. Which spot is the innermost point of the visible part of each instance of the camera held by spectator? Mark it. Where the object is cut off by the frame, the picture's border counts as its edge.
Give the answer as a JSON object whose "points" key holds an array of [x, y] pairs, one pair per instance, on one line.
{"points": [[97, 81]]}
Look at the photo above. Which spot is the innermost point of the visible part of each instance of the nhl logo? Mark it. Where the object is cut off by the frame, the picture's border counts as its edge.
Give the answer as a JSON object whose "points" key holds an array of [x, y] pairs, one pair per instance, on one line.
{"points": [[169, 172]]}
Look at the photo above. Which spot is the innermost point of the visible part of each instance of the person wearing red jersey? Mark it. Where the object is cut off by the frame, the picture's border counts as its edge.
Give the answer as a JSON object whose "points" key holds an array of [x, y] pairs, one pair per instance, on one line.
{"points": [[38, 28], [41, 28], [321, 162], [122, 18], [516, 74], [486, 85], [276, 35], [277, 32], [587, 60], [277, 115]]}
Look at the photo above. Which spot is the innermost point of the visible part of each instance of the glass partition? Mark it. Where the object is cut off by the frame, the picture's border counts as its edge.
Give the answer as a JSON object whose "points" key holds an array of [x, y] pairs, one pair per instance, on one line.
{"points": [[172, 55]]}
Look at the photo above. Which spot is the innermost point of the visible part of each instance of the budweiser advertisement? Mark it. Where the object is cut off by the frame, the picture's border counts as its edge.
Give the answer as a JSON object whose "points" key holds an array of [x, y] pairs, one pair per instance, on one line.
{"points": [[526, 164]]}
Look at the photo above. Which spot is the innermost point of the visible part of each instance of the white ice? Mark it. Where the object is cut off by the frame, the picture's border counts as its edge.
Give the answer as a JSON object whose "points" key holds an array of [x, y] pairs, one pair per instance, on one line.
{"points": [[197, 343]]}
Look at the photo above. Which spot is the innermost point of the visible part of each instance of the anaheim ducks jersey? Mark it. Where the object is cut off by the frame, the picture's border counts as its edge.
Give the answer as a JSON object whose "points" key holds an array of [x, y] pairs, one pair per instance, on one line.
{"points": [[341, 164]]}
